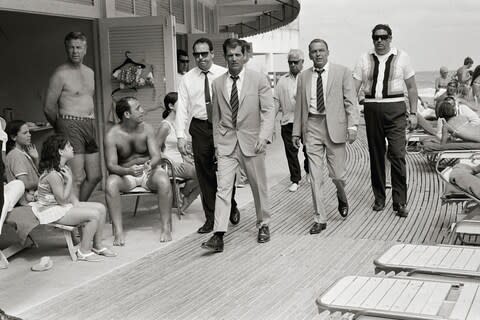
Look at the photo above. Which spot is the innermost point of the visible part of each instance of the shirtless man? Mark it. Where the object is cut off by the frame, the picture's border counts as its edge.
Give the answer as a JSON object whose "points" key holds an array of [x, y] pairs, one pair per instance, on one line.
{"points": [[132, 156], [463, 75], [442, 81], [70, 110]]}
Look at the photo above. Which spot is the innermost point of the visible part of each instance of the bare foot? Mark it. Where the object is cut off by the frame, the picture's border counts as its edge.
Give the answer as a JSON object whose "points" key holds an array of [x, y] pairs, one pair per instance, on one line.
{"points": [[166, 233], [119, 240]]}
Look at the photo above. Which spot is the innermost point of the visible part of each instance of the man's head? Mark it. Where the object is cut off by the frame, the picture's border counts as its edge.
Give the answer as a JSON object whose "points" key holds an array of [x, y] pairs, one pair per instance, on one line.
{"points": [[295, 61], [452, 88], [382, 37], [446, 109], [444, 72], [203, 53], [182, 61], [75, 46], [318, 52], [468, 62], [234, 51], [129, 109]]}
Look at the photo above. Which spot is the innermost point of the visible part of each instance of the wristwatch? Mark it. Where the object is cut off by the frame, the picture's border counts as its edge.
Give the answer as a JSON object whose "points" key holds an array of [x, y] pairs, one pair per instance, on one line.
{"points": [[414, 113]]}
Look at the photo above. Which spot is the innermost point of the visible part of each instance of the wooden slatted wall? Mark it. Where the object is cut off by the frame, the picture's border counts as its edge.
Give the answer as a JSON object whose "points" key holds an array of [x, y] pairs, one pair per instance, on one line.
{"points": [[179, 11]]}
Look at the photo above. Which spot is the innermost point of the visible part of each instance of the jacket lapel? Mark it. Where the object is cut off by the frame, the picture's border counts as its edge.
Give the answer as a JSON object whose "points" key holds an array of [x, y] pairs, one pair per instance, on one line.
{"points": [[245, 88], [308, 84], [224, 88], [331, 76]]}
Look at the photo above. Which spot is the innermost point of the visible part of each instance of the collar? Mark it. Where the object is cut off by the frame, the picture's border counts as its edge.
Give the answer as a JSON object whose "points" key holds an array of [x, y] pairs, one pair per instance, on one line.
{"points": [[393, 51], [290, 75], [326, 67], [240, 75]]}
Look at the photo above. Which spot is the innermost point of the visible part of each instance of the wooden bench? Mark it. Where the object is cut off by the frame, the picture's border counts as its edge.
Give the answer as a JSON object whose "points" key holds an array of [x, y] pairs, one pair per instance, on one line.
{"points": [[68, 233]]}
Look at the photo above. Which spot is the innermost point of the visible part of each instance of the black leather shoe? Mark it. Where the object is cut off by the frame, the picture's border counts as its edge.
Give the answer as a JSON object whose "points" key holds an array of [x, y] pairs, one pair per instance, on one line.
{"points": [[214, 244], [235, 216], [263, 234], [378, 206], [401, 210], [317, 227], [343, 208], [206, 228]]}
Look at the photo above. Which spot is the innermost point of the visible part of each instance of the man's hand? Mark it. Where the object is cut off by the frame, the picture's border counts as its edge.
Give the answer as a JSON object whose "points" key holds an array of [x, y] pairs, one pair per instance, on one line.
{"points": [[296, 141], [260, 145], [351, 135], [136, 170], [182, 146], [412, 119]]}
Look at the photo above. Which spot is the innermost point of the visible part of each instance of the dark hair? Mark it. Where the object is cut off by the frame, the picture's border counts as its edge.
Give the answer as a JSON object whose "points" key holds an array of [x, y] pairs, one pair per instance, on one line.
{"points": [[318, 41], [122, 106], [467, 60], [170, 98], [50, 158], [75, 35], [446, 110], [11, 130], [385, 27], [476, 73], [231, 43], [180, 53], [203, 40]]}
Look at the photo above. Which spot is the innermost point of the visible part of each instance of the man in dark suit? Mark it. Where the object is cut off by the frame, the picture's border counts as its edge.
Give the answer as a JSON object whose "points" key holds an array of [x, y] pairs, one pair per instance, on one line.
{"points": [[243, 120], [326, 116]]}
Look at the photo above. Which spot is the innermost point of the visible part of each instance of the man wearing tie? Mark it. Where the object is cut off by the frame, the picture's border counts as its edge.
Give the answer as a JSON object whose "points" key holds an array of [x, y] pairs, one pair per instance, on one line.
{"points": [[194, 100], [326, 117], [243, 120]]}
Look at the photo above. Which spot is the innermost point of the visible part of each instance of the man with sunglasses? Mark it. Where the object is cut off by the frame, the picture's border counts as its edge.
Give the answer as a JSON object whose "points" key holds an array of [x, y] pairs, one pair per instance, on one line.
{"points": [[284, 99], [382, 72], [195, 102], [182, 66]]}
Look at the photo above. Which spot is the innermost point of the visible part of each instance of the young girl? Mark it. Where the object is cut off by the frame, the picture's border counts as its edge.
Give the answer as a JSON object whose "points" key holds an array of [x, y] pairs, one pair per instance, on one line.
{"points": [[57, 203]]}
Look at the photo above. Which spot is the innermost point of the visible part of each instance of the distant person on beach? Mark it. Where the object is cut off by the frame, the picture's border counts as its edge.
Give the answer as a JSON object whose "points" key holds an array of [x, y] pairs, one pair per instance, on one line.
{"points": [[457, 121], [475, 84], [383, 72], [441, 82], [451, 91], [463, 76]]}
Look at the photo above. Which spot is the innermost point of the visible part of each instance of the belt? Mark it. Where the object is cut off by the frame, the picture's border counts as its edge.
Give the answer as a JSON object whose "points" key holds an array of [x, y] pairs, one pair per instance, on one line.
{"points": [[70, 117], [315, 115], [200, 120]]}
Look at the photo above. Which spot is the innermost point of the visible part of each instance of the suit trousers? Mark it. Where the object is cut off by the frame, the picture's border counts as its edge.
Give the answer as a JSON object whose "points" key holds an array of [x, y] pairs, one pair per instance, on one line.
{"points": [[320, 148], [292, 154], [205, 167], [387, 120], [254, 167]]}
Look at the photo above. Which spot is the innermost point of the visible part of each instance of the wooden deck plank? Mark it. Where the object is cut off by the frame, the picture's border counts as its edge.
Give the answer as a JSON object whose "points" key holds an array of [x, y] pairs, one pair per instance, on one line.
{"points": [[450, 258], [474, 262], [463, 259], [348, 293], [464, 301], [421, 298], [438, 257], [474, 312], [436, 299], [392, 295], [407, 295], [366, 291], [426, 256], [373, 299], [414, 256]]}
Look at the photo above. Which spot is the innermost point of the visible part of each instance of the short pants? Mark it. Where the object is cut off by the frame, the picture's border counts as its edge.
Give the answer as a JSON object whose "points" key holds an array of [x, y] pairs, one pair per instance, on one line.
{"points": [[142, 181], [80, 131]]}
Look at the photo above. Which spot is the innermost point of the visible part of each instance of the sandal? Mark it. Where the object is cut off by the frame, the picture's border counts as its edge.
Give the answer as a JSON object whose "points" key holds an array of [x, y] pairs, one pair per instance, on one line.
{"points": [[45, 264], [106, 252], [89, 257]]}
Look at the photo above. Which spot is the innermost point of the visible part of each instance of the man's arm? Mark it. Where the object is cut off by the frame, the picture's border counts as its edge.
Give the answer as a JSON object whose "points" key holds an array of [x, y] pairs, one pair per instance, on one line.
{"points": [[50, 108], [267, 112], [112, 158], [412, 99], [350, 105], [152, 144], [215, 114], [182, 116], [297, 115]]}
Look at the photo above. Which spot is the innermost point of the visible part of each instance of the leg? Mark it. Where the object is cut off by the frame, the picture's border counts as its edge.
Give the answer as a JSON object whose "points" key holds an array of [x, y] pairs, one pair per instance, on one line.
{"points": [[292, 153], [77, 164], [93, 175], [102, 212], [160, 182], [227, 169], [115, 184]]}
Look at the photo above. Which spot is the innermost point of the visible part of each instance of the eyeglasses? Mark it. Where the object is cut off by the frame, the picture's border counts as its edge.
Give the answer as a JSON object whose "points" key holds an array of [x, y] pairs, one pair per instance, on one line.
{"points": [[294, 62], [383, 37], [202, 54], [183, 61]]}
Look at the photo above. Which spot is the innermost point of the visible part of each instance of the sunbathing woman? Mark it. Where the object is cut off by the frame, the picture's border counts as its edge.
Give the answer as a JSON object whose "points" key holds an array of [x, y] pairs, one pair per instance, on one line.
{"points": [[183, 168], [57, 203], [465, 126]]}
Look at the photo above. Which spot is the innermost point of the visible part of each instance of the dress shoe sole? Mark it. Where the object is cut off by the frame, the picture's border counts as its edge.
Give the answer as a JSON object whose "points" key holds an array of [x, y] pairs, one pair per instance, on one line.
{"points": [[201, 230], [208, 248], [263, 240]]}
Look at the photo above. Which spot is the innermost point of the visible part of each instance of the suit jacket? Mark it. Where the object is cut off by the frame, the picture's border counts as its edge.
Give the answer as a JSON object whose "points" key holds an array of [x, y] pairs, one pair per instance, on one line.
{"points": [[255, 118], [340, 109]]}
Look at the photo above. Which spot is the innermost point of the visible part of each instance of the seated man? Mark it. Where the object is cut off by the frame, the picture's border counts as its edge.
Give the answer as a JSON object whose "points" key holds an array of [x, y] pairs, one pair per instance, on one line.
{"points": [[450, 92], [132, 156]]}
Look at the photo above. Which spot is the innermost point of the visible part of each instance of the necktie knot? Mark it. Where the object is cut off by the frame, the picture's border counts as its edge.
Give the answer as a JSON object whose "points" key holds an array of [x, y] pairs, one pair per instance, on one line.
{"points": [[205, 73], [319, 71], [234, 78]]}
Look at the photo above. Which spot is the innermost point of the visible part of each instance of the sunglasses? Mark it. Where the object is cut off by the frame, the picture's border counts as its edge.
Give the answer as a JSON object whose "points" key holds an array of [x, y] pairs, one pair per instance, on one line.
{"points": [[202, 54], [294, 62], [184, 61], [380, 37]]}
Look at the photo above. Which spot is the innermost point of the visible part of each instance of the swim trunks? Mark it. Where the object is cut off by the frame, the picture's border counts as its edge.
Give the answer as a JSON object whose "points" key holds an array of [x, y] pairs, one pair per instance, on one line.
{"points": [[80, 131]]}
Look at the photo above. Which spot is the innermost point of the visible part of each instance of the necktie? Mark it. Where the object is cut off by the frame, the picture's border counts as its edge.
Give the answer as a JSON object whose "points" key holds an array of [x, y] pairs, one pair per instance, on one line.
{"points": [[320, 101], [234, 100], [208, 99]]}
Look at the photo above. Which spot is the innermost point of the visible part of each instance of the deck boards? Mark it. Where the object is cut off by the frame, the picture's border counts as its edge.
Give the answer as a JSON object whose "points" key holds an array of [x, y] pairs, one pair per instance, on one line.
{"points": [[280, 279]]}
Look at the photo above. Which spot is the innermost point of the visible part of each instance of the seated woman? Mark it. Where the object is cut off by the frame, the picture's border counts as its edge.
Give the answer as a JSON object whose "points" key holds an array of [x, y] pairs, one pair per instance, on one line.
{"points": [[182, 167], [57, 203], [464, 125]]}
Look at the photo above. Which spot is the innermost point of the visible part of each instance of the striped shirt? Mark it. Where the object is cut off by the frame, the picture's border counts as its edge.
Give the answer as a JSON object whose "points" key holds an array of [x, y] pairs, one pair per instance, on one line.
{"points": [[383, 76]]}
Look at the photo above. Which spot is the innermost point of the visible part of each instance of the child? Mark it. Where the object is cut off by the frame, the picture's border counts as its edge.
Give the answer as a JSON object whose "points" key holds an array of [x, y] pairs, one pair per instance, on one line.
{"points": [[57, 203]]}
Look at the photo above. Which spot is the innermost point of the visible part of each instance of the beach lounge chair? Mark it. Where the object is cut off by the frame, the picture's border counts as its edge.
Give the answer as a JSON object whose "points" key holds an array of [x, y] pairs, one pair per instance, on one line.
{"points": [[402, 298], [414, 140]]}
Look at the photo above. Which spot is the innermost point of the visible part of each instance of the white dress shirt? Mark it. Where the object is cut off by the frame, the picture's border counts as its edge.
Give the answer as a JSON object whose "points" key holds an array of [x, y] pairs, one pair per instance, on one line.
{"points": [[191, 96], [284, 97], [229, 83], [313, 92]]}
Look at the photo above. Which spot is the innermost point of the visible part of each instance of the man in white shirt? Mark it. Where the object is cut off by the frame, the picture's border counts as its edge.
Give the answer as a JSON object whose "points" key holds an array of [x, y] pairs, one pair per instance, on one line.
{"points": [[182, 66], [284, 99], [195, 101], [383, 73]]}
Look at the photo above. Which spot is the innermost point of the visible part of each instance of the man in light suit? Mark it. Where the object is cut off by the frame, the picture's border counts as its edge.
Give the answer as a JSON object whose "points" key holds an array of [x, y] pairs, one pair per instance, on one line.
{"points": [[326, 116], [243, 119]]}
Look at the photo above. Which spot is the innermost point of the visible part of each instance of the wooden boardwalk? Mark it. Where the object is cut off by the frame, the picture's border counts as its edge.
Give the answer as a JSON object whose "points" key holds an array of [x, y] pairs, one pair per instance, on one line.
{"points": [[277, 280]]}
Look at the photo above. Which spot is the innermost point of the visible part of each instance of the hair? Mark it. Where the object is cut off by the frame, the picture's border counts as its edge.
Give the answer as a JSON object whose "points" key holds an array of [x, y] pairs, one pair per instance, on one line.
{"points": [[467, 61], [170, 98], [50, 157], [446, 110], [203, 40], [122, 106], [75, 35], [231, 43], [317, 41], [476, 74], [181, 53], [385, 27], [12, 129]]}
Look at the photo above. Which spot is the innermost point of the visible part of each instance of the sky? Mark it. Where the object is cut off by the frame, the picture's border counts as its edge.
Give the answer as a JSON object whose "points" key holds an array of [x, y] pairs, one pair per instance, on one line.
{"points": [[432, 32]]}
